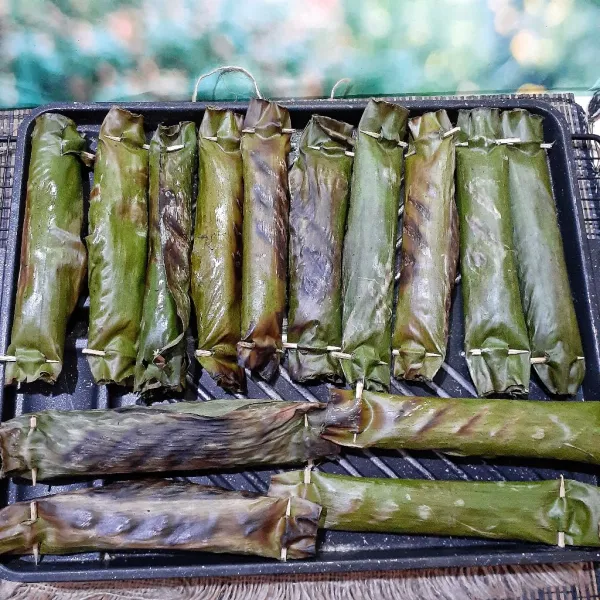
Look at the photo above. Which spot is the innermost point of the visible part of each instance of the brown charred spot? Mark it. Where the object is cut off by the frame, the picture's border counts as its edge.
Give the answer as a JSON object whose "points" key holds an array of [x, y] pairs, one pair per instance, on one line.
{"points": [[343, 413], [159, 441], [507, 427], [228, 375], [300, 532], [407, 270], [421, 207], [261, 525], [159, 361], [132, 209], [268, 329], [166, 201], [260, 358], [174, 258], [296, 330], [412, 232], [437, 417], [95, 192], [469, 426]]}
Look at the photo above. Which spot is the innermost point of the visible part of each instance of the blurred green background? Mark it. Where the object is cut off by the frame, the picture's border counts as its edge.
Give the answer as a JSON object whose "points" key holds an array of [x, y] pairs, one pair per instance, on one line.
{"points": [[154, 49]]}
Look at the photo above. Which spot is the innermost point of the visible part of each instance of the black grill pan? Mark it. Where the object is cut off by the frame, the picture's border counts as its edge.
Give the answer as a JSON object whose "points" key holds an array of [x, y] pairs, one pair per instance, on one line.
{"points": [[339, 551]]}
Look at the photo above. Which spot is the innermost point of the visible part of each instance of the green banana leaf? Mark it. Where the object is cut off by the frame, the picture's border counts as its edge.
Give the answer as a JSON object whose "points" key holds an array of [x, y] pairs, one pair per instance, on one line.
{"points": [[53, 257], [470, 426], [184, 436], [561, 512], [160, 515], [217, 253], [543, 279], [429, 250], [369, 245], [319, 190], [496, 342], [118, 223], [265, 147], [162, 360]]}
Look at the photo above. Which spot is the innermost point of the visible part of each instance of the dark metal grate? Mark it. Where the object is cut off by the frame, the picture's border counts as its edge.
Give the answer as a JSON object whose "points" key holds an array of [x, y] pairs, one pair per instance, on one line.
{"points": [[9, 124], [587, 159]]}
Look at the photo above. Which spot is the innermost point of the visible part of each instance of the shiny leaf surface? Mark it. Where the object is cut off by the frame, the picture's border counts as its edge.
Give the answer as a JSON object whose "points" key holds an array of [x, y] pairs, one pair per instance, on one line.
{"points": [[118, 223], [53, 257], [160, 515], [319, 190]]}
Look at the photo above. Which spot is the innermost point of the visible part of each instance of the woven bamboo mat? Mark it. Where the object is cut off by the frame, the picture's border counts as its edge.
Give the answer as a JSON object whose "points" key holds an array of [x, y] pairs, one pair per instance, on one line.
{"points": [[535, 582]]}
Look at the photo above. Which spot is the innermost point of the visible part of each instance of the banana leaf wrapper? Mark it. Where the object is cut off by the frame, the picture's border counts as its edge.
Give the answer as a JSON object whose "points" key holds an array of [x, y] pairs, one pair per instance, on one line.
{"points": [[544, 283], [161, 515], [369, 245], [217, 253], [496, 341], [185, 436], [319, 191], [117, 245], [429, 250], [551, 512], [471, 426], [53, 257], [265, 147], [162, 359]]}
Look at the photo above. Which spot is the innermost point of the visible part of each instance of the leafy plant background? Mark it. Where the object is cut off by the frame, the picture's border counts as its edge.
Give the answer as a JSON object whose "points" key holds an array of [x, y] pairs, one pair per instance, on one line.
{"points": [[154, 49]]}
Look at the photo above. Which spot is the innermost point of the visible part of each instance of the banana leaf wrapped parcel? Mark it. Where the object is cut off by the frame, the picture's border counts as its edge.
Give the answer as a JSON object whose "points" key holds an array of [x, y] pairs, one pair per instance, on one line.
{"points": [[217, 253], [265, 147], [369, 245], [496, 341], [557, 352], [162, 360], [184, 436], [160, 515], [53, 257], [118, 230], [429, 249], [560, 512], [470, 426], [319, 190]]}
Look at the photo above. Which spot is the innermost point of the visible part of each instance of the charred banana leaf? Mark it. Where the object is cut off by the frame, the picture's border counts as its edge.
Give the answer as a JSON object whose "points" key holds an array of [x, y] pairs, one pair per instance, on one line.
{"points": [[496, 342], [265, 146], [162, 360], [429, 250], [184, 436], [369, 245], [561, 512], [319, 191], [217, 253], [470, 426], [160, 515], [551, 321], [53, 257], [118, 222]]}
